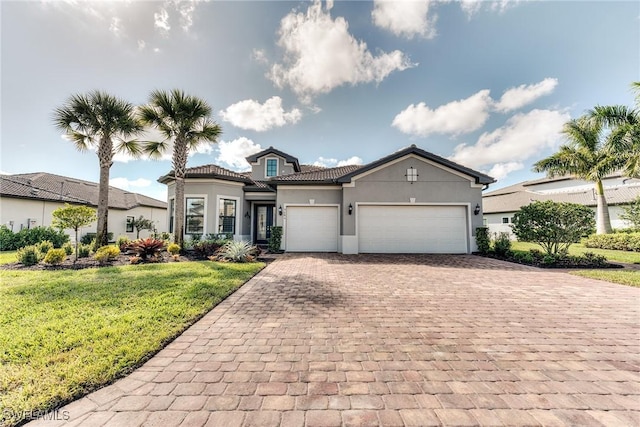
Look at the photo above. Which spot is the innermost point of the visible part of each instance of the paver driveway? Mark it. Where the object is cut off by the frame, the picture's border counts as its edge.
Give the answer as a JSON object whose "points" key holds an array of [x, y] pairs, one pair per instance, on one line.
{"points": [[393, 340]]}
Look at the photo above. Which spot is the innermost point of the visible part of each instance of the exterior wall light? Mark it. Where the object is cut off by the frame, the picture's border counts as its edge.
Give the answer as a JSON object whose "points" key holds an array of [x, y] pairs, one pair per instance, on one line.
{"points": [[247, 215], [476, 211], [280, 210], [350, 209]]}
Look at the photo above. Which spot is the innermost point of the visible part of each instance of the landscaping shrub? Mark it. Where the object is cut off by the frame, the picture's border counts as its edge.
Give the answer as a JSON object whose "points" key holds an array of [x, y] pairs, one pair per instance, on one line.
{"points": [[44, 246], [84, 251], [122, 242], [552, 225], [8, 240], [29, 255], [482, 240], [90, 238], [616, 241], [206, 248], [275, 239], [106, 253], [55, 256], [145, 248], [238, 252], [68, 248], [502, 244], [173, 249]]}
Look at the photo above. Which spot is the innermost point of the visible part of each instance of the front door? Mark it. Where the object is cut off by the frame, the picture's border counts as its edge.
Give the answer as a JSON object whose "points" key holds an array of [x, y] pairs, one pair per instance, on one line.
{"points": [[264, 216]]}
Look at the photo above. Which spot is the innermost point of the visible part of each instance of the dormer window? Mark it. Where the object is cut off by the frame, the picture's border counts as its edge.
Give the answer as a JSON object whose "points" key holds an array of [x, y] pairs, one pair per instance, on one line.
{"points": [[271, 168]]}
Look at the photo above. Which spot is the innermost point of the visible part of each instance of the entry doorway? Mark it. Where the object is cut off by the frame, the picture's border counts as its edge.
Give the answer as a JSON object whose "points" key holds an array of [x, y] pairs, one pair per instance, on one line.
{"points": [[264, 218]]}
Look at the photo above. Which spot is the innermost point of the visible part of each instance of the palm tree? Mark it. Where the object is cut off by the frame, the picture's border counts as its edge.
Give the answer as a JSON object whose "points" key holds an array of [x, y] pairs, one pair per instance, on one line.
{"points": [[101, 121], [586, 157], [185, 121]]}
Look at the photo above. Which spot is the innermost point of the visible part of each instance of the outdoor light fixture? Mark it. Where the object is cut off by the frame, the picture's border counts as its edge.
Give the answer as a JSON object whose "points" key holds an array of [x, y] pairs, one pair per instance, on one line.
{"points": [[350, 208], [280, 210], [476, 211], [247, 215]]}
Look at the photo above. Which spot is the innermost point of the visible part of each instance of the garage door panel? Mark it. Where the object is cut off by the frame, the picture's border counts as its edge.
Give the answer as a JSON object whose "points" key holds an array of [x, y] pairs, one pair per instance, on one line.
{"points": [[312, 229], [412, 229]]}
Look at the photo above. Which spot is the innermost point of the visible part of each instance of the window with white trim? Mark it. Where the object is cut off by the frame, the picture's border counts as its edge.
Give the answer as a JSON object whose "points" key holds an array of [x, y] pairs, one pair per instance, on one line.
{"points": [[505, 220], [194, 215], [227, 216], [412, 174], [271, 168]]}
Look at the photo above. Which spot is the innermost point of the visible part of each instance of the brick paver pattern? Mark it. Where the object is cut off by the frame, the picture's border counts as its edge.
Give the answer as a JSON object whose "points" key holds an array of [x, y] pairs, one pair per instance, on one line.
{"points": [[330, 340]]}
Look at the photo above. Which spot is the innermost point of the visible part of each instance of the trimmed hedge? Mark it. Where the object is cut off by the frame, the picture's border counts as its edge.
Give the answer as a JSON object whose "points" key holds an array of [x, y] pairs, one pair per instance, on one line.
{"points": [[618, 241], [10, 241]]}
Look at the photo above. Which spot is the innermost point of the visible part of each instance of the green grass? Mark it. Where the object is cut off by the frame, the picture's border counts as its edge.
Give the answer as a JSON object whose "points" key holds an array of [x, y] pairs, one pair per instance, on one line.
{"points": [[66, 333], [579, 249], [624, 277], [7, 257]]}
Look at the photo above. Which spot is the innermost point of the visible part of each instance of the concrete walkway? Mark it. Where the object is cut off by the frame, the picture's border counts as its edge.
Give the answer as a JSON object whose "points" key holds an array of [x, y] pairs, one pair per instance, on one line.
{"points": [[329, 340]]}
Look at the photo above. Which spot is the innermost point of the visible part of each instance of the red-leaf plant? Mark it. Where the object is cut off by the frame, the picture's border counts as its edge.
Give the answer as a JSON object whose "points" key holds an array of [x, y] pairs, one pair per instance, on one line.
{"points": [[144, 248]]}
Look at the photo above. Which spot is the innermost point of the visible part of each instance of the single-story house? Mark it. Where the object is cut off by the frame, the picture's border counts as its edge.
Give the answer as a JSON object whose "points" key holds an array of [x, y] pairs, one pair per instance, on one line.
{"points": [[500, 205], [411, 201], [27, 200]]}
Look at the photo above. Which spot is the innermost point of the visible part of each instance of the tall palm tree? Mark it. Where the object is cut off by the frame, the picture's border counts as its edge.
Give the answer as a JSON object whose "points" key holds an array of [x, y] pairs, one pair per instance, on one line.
{"points": [[586, 157], [185, 121], [101, 121]]}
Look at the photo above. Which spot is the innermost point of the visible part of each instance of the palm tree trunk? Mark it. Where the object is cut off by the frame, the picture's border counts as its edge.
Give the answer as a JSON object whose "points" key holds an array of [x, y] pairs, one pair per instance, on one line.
{"points": [[179, 166], [105, 155], [603, 224]]}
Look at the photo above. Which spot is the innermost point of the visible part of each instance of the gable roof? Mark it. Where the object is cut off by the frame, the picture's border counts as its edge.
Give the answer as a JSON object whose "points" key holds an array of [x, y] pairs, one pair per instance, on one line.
{"points": [[289, 158], [479, 177], [51, 187]]}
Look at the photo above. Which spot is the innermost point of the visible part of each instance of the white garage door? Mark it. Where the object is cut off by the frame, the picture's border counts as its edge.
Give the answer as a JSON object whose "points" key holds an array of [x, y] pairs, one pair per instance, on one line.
{"points": [[312, 229], [412, 229]]}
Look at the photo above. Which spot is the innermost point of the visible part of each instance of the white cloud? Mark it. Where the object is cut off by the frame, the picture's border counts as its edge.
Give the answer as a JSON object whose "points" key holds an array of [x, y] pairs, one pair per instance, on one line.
{"points": [[522, 137], [232, 154], [141, 44], [405, 18], [250, 114], [321, 54], [456, 117], [186, 10], [161, 20], [116, 26], [260, 56], [471, 7], [128, 184], [522, 95], [501, 170], [330, 162]]}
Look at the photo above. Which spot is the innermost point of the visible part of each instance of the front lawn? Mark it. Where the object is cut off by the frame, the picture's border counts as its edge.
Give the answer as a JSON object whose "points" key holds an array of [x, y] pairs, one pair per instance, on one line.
{"points": [[66, 333], [7, 257], [625, 277], [578, 249]]}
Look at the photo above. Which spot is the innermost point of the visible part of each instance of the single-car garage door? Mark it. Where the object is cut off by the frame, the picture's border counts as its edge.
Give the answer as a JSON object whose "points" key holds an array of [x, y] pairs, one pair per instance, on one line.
{"points": [[412, 229], [312, 229]]}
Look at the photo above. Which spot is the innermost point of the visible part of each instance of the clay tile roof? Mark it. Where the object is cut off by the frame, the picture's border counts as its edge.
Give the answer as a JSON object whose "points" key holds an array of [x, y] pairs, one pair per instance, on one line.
{"points": [[317, 175], [51, 187], [209, 171]]}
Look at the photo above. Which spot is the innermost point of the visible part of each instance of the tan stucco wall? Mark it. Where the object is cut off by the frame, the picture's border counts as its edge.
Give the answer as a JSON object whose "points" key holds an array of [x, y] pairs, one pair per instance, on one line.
{"points": [[258, 170]]}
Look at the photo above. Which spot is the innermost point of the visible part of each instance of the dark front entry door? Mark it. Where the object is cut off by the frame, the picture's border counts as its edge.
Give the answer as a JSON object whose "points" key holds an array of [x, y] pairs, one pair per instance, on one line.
{"points": [[264, 216]]}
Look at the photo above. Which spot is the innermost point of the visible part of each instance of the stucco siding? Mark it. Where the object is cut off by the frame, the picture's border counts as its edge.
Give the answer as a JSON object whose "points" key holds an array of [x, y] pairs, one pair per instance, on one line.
{"points": [[303, 196], [258, 169]]}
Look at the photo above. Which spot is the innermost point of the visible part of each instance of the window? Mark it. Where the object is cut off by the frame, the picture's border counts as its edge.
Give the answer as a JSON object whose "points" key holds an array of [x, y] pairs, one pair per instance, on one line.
{"points": [[272, 167], [227, 213], [412, 174], [130, 220], [505, 220], [194, 217], [172, 209]]}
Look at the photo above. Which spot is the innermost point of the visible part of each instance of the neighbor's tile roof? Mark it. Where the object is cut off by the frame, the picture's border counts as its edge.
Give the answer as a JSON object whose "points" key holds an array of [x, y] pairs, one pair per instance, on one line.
{"points": [[515, 198], [319, 175], [51, 187]]}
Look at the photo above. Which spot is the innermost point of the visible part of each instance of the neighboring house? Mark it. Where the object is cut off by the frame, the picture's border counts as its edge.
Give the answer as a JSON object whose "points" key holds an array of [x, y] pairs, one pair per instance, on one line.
{"points": [[500, 205], [27, 200], [411, 201]]}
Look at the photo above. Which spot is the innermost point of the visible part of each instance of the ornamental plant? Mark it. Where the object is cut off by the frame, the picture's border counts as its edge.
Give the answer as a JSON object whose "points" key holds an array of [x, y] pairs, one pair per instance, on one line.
{"points": [[145, 248], [29, 255], [105, 254], [55, 256], [552, 225], [73, 217]]}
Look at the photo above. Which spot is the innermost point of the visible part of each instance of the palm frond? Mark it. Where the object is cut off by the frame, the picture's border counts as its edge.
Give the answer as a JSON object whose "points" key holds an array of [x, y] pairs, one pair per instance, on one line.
{"points": [[155, 149], [131, 147]]}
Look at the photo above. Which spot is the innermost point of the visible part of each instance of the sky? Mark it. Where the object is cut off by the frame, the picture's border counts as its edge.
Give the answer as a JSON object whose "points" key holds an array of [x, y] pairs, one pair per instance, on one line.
{"points": [[487, 84]]}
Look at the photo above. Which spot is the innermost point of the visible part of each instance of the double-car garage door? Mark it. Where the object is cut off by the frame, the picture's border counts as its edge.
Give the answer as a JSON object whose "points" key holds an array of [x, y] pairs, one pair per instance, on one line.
{"points": [[380, 229]]}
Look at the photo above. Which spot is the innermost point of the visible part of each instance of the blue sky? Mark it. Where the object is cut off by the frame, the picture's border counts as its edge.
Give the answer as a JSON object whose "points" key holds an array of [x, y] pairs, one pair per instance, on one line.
{"points": [[486, 84]]}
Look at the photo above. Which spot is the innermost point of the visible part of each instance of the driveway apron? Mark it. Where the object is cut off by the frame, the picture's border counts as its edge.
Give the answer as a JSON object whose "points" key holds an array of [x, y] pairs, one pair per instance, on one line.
{"points": [[393, 340]]}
